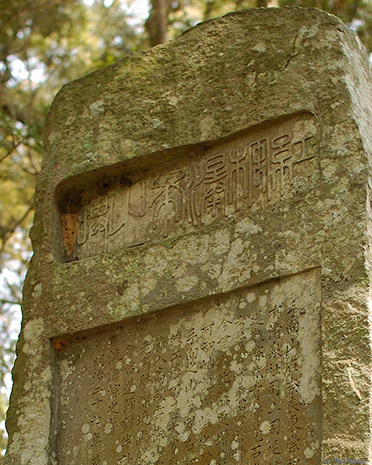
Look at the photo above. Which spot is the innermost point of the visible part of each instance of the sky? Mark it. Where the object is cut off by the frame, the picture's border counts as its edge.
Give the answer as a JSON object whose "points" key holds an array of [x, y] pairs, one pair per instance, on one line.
{"points": [[136, 8]]}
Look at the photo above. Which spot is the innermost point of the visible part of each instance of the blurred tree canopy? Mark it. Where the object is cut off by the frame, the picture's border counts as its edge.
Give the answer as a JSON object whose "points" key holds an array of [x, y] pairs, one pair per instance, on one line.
{"points": [[46, 43]]}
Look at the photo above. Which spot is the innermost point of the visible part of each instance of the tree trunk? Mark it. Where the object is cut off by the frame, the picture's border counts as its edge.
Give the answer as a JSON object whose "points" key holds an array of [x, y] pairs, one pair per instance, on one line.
{"points": [[157, 23]]}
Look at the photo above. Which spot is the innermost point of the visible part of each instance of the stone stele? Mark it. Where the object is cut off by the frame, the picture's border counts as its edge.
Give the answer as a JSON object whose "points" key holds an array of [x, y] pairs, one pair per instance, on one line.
{"points": [[200, 283]]}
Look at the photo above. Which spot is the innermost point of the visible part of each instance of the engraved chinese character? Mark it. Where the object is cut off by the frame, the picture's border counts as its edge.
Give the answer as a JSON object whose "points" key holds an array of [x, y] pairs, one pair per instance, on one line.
{"points": [[238, 178], [96, 460], [99, 220], [168, 203], [258, 158], [302, 149], [96, 439], [193, 197], [281, 169], [214, 181]]}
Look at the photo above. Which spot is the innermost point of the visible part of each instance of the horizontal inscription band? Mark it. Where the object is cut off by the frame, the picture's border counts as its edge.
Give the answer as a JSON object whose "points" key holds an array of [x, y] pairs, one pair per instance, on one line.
{"points": [[245, 173]]}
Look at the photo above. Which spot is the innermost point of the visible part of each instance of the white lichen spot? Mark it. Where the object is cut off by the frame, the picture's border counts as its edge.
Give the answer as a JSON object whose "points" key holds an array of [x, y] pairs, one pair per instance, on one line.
{"points": [[213, 270], [85, 428], [32, 332], [119, 448], [173, 101], [97, 108], [184, 436], [285, 261], [250, 345], [259, 47], [261, 362], [204, 417], [149, 343], [222, 242], [251, 297], [173, 383], [265, 427], [236, 367], [15, 445], [108, 428], [27, 385], [131, 299], [156, 123], [163, 442], [133, 388], [147, 285], [150, 456], [235, 445], [262, 301], [195, 251], [163, 413], [231, 265], [180, 427], [38, 289], [255, 268], [186, 283], [156, 261], [247, 226], [237, 455], [66, 368]]}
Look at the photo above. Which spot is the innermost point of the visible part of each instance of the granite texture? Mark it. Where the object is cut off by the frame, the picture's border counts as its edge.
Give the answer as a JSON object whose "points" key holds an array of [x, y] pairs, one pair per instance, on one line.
{"points": [[223, 176]]}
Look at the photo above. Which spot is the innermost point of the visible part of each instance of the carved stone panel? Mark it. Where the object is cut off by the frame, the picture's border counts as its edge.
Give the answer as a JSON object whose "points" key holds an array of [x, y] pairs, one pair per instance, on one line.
{"points": [[230, 379], [249, 172]]}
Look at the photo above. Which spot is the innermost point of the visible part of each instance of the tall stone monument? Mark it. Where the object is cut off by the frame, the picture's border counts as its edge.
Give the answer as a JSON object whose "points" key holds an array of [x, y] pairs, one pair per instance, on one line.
{"points": [[199, 289]]}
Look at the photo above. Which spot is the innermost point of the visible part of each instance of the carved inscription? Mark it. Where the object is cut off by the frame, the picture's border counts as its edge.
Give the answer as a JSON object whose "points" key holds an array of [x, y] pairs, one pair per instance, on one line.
{"points": [[233, 379], [247, 173]]}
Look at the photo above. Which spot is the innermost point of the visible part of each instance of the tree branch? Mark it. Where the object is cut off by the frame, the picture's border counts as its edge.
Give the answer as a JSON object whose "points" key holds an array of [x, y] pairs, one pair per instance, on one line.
{"points": [[15, 146], [9, 302], [11, 230]]}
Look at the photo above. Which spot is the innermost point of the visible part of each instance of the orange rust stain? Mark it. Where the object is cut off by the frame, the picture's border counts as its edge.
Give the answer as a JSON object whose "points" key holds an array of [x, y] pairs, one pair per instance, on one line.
{"points": [[59, 344], [70, 225]]}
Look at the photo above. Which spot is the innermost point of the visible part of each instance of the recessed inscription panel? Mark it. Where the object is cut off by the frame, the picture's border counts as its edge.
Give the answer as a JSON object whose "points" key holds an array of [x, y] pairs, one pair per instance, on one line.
{"points": [[233, 379], [247, 173]]}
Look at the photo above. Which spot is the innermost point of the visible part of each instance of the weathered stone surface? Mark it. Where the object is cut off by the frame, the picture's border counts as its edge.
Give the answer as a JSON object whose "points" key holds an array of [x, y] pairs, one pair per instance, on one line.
{"points": [[199, 289], [202, 383]]}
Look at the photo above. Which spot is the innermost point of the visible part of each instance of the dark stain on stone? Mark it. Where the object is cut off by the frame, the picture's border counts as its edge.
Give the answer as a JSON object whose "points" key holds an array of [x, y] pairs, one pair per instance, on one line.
{"points": [[121, 288]]}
